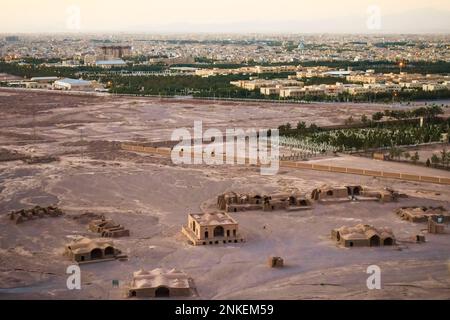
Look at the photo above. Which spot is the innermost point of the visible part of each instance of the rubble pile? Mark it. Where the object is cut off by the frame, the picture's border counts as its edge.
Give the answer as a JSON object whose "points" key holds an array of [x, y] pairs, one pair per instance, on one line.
{"points": [[34, 213]]}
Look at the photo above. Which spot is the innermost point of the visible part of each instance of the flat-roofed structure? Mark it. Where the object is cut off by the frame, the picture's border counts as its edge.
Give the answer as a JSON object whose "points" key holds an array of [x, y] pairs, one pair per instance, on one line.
{"points": [[212, 228], [161, 283], [327, 193], [363, 235]]}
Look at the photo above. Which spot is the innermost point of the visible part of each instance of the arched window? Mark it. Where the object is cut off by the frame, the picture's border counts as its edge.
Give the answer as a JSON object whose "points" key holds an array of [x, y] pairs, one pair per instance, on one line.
{"points": [[96, 254], [388, 241], [109, 251], [162, 292], [374, 241], [219, 231]]}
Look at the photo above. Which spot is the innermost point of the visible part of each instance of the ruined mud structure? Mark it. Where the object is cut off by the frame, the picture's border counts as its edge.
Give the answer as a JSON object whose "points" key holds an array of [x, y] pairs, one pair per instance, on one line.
{"points": [[422, 214], [85, 250], [41, 160], [34, 213], [328, 193], [212, 228], [276, 262], [161, 283], [108, 228], [234, 202], [419, 238], [363, 235], [11, 155]]}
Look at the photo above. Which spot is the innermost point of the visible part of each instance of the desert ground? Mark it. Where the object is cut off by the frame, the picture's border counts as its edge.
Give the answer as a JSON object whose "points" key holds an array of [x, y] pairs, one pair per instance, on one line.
{"points": [[152, 197]]}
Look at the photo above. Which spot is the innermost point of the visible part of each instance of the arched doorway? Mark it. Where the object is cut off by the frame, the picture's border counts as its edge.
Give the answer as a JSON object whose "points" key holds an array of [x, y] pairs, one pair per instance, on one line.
{"points": [[219, 231], [388, 241], [374, 241], [338, 236], [109, 251], [162, 292], [96, 254], [292, 200]]}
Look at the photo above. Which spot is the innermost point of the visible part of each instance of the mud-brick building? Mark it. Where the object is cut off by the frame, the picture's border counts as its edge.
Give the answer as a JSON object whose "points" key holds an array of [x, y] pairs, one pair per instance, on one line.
{"points": [[235, 202], [161, 283], [382, 195], [212, 228], [437, 224], [298, 201], [331, 193], [352, 192], [108, 228], [275, 262], [363, 235], [422, 214], [84, 250], [34, 213]]}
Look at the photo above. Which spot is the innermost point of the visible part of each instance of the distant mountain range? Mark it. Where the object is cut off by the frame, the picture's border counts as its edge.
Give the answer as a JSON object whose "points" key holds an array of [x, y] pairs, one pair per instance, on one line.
{"points": [[417, 21]]}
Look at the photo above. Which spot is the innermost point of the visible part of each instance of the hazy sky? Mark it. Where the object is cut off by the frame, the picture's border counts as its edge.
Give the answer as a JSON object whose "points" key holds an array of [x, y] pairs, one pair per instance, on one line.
{"points": [[218, 15]]}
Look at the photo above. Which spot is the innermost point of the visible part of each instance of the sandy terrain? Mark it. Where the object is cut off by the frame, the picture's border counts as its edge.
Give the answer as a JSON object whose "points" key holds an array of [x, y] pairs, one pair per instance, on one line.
{"points": [[54, 115], [372, 164], [152, 197]]}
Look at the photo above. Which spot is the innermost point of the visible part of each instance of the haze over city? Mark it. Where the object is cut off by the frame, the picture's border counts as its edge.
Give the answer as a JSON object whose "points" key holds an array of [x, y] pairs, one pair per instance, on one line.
{"points": [[233, 16]]}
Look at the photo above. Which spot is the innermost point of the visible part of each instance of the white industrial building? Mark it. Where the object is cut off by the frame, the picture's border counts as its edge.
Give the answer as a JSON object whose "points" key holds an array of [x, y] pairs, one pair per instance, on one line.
{"points": [[107, 64], [73, 84]]}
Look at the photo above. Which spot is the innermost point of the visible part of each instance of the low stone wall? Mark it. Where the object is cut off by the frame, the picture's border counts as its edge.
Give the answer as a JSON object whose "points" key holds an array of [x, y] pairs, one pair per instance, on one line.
{"points": [[318, 167]]}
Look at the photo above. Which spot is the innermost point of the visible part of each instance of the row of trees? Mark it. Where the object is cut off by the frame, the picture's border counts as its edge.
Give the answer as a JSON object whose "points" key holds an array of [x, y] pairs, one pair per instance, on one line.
{"points": [[426, 112], [430, 113], [441, 159], [371, 135], [369, 138]]}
